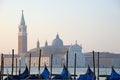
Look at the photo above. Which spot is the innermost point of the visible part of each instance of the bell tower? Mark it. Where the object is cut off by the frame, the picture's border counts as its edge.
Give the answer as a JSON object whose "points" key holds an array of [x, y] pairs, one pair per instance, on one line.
{"points": [[22, 36]]}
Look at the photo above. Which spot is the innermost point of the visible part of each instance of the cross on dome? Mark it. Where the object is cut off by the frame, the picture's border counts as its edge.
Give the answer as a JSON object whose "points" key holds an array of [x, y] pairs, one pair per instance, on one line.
{"points": [[57, 36], [76, 41], [46, 43]]}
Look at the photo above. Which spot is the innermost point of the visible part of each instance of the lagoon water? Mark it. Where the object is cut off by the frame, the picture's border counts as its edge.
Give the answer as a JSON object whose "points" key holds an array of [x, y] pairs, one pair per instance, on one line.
{"points": [[102, 71]]}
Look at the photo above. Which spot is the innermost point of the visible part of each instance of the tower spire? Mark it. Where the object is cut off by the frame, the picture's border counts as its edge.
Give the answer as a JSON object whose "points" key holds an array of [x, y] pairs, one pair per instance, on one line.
{"points": [[38, 44], [22, 19], [46, 43], [22, 36]]}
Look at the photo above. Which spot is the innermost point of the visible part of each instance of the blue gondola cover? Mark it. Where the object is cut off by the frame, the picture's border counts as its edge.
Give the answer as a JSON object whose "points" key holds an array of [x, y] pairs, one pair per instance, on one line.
{"points": [[45, 74], [114, 75], [88, 76], [63, 76], [21, 76]]}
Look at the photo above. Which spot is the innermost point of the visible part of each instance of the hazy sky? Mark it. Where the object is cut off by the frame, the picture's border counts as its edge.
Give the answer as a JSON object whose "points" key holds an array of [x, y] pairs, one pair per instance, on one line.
{"points": [[93, 23]]}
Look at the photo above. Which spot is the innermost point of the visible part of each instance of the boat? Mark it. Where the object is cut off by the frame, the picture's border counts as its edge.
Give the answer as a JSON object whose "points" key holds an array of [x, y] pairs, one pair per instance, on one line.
{"points": [[44, 75], [88, 76], [64, 75], [22, 76], [114, 75]]}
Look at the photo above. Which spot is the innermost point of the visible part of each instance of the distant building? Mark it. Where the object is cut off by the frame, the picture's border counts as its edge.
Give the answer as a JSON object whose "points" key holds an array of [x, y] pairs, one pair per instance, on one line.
{"points": [[106, 59], [58, 49], [80, 58]]}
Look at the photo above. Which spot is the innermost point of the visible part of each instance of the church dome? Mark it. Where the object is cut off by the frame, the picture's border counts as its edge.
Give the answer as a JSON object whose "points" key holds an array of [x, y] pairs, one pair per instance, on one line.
{"points": [[57, 41]]}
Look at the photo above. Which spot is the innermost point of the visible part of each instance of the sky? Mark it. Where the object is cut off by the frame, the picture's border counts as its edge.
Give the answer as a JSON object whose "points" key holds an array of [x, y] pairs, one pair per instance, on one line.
{"points": [[95, 24]]}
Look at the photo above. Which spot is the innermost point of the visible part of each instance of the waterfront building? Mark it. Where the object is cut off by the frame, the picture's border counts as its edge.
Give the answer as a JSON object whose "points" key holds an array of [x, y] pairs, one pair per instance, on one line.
{"points": [[59, 50], [80, 58]]}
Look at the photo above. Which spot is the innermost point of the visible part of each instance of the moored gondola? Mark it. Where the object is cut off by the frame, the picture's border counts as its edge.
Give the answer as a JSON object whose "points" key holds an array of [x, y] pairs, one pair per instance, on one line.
{"points": [[114, 75], [88, 76], [44, 75], [65, 75], [18, 77]]}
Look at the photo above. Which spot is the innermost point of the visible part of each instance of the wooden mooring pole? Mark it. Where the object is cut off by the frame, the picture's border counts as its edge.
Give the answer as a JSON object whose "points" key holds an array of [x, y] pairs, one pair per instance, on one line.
{"points": [[67, 64], [98, 66], [94, 64], [2, 66], [51, 66], [39, 63], [75, 66], [19, 67], [0, 74], [29, 63], [12, 62], [16, 66], [67, 60]]}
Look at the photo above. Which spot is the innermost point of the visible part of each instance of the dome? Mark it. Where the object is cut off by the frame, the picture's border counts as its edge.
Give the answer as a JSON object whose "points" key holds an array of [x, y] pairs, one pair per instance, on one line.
{"points": [[57, 41]]}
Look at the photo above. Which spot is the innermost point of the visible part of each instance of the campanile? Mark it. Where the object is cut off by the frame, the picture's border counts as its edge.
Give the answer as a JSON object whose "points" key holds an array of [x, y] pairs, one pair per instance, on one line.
{"points": [[22, 36]]}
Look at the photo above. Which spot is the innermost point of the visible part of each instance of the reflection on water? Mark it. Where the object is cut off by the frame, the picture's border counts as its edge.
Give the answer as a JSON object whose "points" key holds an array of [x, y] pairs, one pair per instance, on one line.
{"points": [[102, 71]]}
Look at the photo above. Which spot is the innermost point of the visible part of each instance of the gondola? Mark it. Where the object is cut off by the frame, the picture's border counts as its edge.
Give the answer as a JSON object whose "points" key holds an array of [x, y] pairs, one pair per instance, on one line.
{"points": [[114, 75], [65, 75], [19, 77], [44, 75], [88, 76]]}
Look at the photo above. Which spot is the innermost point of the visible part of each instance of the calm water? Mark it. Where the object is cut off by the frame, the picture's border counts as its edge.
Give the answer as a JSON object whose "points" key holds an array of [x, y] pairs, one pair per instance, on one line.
{"points": [[103, 71]]}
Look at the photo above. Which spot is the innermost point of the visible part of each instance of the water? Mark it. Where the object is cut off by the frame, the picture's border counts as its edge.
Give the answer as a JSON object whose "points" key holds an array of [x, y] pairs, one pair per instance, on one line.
{"points": [[102, 71]]}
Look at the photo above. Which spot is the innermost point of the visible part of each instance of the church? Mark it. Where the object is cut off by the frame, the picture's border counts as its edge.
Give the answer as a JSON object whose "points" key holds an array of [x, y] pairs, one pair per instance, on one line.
{"points": [[58, 49]]}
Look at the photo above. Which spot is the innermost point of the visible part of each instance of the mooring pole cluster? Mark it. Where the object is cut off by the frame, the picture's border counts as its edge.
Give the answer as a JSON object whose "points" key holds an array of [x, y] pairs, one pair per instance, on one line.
{"points": [[97, 65], [39, 64]]}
